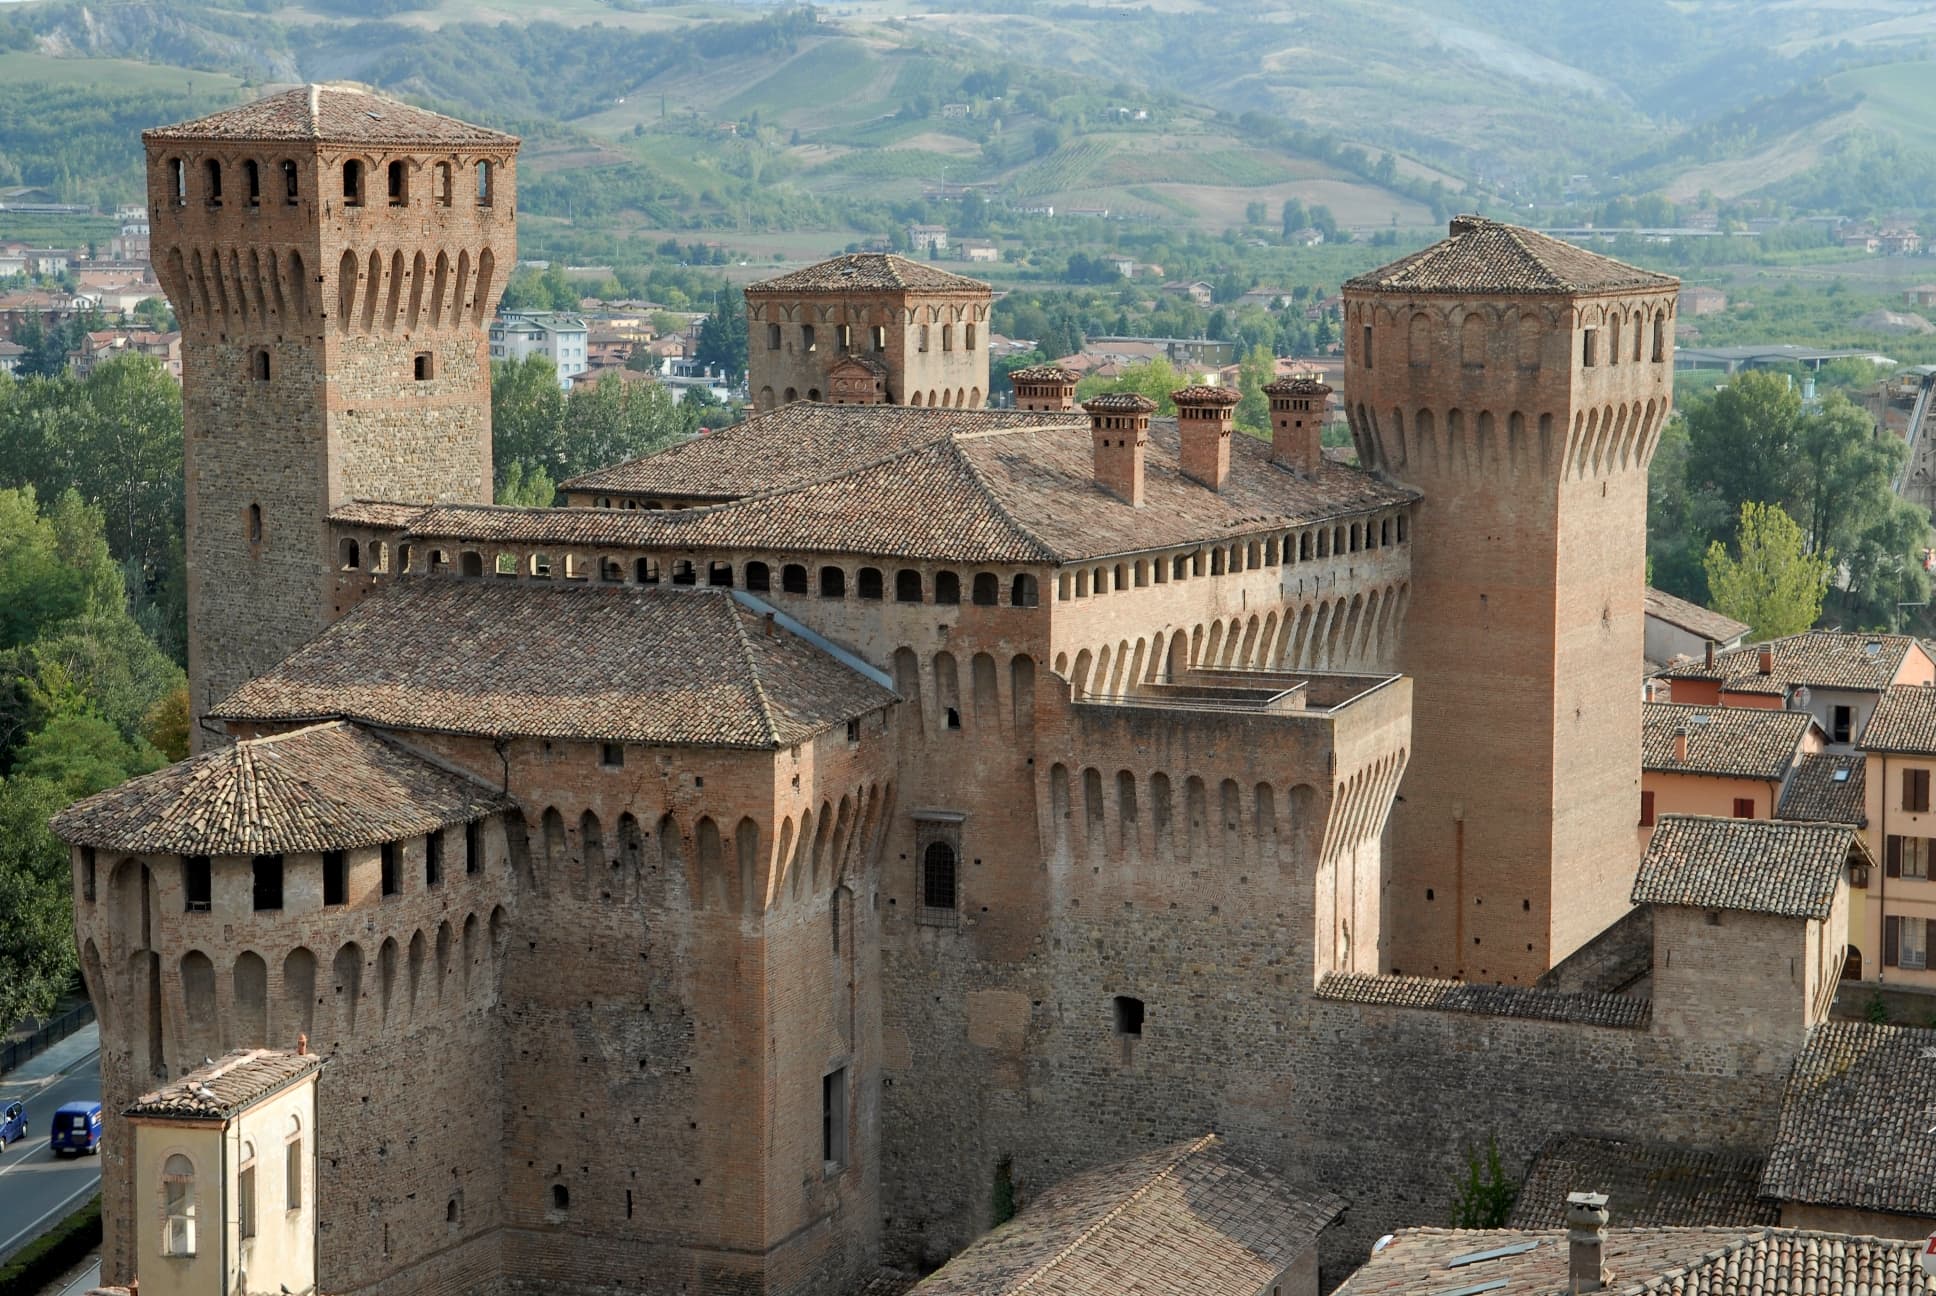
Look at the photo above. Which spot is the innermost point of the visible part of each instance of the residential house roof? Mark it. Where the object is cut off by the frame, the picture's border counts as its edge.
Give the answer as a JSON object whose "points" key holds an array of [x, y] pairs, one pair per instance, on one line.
{"points": [[655, 665], [327, 787], [1584, 1007], [1643, 1262], [1728, 742], [220, 1090], [869, 272], [1832, 659], [1646, 1184], [1192, 1217], [1486, 256], [1904, 721], [1751, 865], [1702, 622], [334, 114], [1827, 787], [1856, 1116]]}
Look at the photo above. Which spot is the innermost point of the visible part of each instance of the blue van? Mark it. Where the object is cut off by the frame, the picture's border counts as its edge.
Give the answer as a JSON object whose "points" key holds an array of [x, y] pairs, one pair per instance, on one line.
{"points": [[77, 1129]]}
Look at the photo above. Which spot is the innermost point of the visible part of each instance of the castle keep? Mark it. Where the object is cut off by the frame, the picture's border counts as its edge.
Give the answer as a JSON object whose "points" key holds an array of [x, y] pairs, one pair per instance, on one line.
{"points": [[705, 888]]}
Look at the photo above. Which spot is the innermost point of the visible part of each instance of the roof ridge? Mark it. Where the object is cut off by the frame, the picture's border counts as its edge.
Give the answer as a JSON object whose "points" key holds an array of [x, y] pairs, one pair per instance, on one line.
{"points": [[758, 684], [987, 492], [1109, 1216]]}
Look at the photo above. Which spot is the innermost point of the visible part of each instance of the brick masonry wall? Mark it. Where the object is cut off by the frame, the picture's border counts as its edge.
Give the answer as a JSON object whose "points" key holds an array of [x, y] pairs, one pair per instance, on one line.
{"points": [[955, 376]]}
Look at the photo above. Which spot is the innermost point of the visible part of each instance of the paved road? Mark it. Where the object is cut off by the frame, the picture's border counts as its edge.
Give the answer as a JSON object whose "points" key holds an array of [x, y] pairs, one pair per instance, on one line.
{"points": [[37, 1191]]}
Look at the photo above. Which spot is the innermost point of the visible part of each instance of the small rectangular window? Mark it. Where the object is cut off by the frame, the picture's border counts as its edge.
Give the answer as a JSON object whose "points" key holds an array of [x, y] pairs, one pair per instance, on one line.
{"points": [[1129, 1015], [423, 366], [772, 337], [833, 1119], [880, 337], [87, 873], [806, 337], [1367, 346], [1744, 807], [612, 755], [1587, 346], [197, 884], [1842, 719], [853, 731], [392, 869], [336, 878], [434, 858], [1916, 853], [1915, 790], [1915, 943], [292, 1173], [245, 1202], [844, 336], [473, 848], [268, 882], [1646, 809]]}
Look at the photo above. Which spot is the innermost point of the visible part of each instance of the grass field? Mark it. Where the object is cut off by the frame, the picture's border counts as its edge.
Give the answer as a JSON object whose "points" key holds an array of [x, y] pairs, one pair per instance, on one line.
{"points": [[19, 68]]}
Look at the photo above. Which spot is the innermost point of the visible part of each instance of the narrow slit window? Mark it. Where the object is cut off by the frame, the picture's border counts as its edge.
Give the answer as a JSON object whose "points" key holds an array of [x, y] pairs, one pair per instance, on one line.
{"points": [[268, 883], [485, 182], [353, 183], [336, 878], [198, 894], [252, 179]]}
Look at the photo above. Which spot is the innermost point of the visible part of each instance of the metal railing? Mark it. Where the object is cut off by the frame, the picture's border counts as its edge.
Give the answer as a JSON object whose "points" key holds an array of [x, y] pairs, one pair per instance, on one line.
{"points": [[50, 1032]]}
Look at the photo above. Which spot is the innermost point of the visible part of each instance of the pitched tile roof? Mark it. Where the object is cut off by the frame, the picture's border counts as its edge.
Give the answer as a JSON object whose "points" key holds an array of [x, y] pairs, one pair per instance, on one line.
{"points": [[333, 114], [1022, 490], [1439, 995], [1043, 373], [1647, 1184], [663, 666], [1855, 1121], [1731, 742], [869, 272], [223, 1088], [1827, 788], [383, 514], [1201, 395], [1904, 721], [1692, 617], [1119, 403], [1486, 256], [1302, 385], [327, 787], [1751, 865], [1818, 658], [1667, 1261], [1192, 1217]]}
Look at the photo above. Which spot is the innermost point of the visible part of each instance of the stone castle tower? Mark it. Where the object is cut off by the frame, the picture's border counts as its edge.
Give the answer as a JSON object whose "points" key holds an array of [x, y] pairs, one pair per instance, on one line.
{"points": [[1521, 384], [334, 258]]}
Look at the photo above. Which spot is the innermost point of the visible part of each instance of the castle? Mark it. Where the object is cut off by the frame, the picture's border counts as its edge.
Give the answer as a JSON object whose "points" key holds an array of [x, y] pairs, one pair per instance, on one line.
{"points": [[704, 887]]}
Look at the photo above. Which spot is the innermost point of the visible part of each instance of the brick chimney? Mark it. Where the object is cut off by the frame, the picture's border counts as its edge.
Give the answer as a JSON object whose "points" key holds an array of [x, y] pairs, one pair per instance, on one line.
{"points": [[1119, 432], [1767, 661], [1203, 423], [1044, 387], [1680, 745], [1298, 407], [1586, 1236]]}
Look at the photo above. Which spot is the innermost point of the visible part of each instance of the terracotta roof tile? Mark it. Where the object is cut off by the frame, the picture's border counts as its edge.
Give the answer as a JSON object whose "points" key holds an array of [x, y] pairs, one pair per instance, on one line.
{"points": [[1046, 373], [663, 666], [382, 514], [1647, 1184], [1193, 1217], [1201, 395], [223, 1088], [1692, 617], [1119, 403], [1855, 1121], [1817, 658], [1303, 385], [1486, 1000], [869, 272], [336, 115], [1904, 721], [1485, 256], [1731, 742], [1827, 788], [1751, 865], [328, 787], [1669, 1261]]}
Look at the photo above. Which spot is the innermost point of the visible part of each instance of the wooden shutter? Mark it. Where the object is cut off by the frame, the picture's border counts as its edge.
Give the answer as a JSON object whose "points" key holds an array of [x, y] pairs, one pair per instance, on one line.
{"points": [[1646, 809], [1891, 940], [1892, 857], [1744, 807], [1922, 789]]}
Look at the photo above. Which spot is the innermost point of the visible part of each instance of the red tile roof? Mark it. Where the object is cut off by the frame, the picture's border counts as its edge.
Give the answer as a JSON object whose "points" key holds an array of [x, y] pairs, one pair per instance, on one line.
{"points": [[1729, 742], [1486, 256], [1752, 865], [336, 115], [1904, 721], [869, 272], [1201, 395], [1818, 658], [222, 1089]]}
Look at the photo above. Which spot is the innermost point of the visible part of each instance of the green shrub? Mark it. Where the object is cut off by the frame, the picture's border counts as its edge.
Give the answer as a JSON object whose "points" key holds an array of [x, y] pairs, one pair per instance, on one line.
{"points": [[54, 1252]]}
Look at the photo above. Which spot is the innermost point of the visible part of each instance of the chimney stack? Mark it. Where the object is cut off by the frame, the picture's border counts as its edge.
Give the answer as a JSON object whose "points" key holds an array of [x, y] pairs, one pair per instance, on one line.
{"points": [[1767, 659], [1709, 654], [1048, 388], [1119, 432], [1298, 407], [1203, 424], [1586, 1236], [1680, 745]]}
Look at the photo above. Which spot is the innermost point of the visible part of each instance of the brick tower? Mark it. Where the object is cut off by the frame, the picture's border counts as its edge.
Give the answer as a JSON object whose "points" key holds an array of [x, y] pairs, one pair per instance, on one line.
{"points": [[1521, 384], [334, 258]]}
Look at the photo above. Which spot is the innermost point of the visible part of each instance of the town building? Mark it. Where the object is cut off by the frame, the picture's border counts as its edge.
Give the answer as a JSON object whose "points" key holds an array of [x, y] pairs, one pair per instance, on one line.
{"points": [[1732, 762], [1678, 629], [927, 240], [564, 340], [10, 356], [1898, 742], [719, 885], [1833, 675], [1700, 299]]}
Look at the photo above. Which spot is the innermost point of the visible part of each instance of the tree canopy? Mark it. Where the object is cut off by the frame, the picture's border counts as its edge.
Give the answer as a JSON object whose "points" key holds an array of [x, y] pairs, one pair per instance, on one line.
{"points": [[1775, 584]]}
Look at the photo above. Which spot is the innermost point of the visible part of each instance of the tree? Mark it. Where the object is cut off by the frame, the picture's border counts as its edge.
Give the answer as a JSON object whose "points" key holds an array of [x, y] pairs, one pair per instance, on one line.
{"points": [[1155, 379], [522, 489], [1485, 1193], [1742, 444], [527, 411], [37, 937], [722, 337], [1254, 372], [1775, 585]]}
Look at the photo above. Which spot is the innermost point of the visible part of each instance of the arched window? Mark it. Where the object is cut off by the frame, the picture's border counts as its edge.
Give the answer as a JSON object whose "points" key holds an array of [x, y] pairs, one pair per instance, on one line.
{"points": [[443, 200], [471, 564], [252, 182], [938, 876], [1180, 568], [178, 1206], [793, 579], [347, 554], [907, 586], [560, 1197], [870, 583], [353, 183], [485, 182], [759, 577], [947, 587], [772, 337], [212, 182], [833, 582], [259, 364], [968, 336], [1660, 336], [988, 589], [291, 190], [178, 173], [646, 571], [683, 572], [947, 337], [720, 573], [292, 1165], [245, 1192], [1022, 591]]}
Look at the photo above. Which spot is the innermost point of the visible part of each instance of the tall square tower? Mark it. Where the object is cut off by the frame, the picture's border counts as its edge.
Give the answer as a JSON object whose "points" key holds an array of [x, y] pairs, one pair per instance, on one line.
{"points": [[1521, 384], [334, 258]]}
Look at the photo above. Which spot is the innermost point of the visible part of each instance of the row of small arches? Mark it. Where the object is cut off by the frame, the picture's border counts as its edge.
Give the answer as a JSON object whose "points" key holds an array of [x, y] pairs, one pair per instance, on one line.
{"points": [[941, 683], [258, 286], [1608, 335], [282, 182], [936, 398], [419, 292], [1606, 439], [1291, 548], [1132, 816]]}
